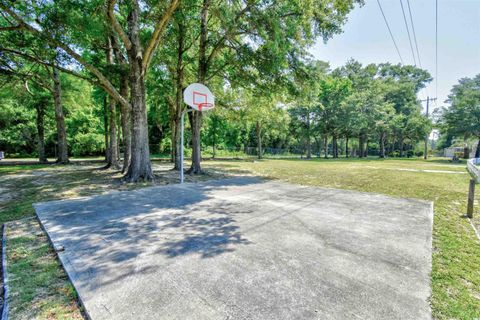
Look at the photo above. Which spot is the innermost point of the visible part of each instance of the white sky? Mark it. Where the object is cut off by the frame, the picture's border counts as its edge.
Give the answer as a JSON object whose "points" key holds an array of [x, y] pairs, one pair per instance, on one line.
{"points": [[366, 39]]}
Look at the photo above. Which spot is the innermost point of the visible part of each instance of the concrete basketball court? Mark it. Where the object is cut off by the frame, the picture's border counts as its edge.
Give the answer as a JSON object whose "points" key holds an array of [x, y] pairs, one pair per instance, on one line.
{"points": [[244, 248]]}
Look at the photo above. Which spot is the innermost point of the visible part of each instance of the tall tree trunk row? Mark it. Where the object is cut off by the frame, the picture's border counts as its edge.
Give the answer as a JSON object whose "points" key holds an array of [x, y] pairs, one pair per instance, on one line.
{"points": [[346, 147], [177, 114], [40, 107], [105, 126], [196, 116], [113, 153], [62, 155], [126, 122], [382, 145], [259, 140], [140, 167]]}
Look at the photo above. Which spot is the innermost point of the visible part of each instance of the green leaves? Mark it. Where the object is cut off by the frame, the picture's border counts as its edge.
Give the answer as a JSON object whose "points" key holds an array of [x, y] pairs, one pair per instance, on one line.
{"points": [[462, 118]]}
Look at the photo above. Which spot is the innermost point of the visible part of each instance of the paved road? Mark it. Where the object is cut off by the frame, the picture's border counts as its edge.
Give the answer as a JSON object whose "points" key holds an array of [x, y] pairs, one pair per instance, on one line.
{"points": [[245, 248]]}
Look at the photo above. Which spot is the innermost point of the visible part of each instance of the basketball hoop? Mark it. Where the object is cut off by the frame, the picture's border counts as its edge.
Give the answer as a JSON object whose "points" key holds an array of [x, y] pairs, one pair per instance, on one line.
{"points": [[205, 106], [199, 97]]}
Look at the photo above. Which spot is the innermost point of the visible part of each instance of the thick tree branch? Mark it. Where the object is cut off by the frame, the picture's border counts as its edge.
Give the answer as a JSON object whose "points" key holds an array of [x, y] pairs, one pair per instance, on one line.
{"points": [[157, 34], [105, 83], [25, 77], [35, 59], [116, 25], [10, 28], [221, 42]]}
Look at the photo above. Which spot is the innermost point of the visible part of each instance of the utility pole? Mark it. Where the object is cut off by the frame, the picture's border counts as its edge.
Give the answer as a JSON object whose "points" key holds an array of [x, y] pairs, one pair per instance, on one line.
{"points": [[425, 155]]}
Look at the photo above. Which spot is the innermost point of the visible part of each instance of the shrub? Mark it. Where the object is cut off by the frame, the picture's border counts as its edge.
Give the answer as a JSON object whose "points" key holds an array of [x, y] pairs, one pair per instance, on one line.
{"points": [[419, 153]]}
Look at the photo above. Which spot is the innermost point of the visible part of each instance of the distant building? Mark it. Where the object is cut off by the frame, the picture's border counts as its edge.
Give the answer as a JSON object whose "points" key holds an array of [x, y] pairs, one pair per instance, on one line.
{"points": [[450, 152]]}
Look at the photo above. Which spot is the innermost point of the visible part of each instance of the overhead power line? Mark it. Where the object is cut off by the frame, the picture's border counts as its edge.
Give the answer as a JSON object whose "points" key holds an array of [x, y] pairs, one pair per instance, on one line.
{"points": [[416, 43], [408, 33], [390, 31], [414, 34]]}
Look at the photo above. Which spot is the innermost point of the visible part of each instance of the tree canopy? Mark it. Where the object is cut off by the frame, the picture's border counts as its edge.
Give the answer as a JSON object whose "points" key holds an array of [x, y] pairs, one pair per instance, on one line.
{"points": [[106, 77]]}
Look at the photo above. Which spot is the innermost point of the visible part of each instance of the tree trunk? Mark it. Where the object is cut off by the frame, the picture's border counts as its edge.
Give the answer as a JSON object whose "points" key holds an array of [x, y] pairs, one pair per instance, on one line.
{"points": [[477, 152], [309, 145], [259, 140], [325, 146], [125, 113], [62, 154], [360, 146], [213, 146], [176, 146], [177, 113], [366, 148], [42, 158], [196, 117], [114, 159], [335, 146], [105, 126], [346, 147], [140, 167], [382, 145]]}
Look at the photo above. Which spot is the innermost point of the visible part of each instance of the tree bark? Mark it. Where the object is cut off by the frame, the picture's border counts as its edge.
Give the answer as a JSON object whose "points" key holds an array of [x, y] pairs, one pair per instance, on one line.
{"points": [[335, 146], [140, 167], [259, 140], [360, 146], [125, 109], [113, 154], [176, 146], [346, 147], [62, 155], [196, 117], [325, 146], [105, 126], [382, 145], [42, 158], [125, 112], [309, 145], [213, 147], [114, 159], [177, 113], [366, 148]]}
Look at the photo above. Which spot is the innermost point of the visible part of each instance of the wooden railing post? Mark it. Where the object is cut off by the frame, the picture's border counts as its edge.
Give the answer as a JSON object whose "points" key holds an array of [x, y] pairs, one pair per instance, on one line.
{"points": [[471, 198], [474, 170]]}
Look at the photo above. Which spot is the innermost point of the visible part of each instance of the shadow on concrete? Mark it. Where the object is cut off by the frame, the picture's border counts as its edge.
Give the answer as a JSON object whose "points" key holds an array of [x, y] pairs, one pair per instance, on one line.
{"points": [[105, 236]]}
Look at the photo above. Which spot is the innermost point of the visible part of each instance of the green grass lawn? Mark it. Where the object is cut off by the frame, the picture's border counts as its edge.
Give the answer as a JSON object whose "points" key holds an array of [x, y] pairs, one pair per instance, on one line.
{"points": [[39, 287], [456, 252]]}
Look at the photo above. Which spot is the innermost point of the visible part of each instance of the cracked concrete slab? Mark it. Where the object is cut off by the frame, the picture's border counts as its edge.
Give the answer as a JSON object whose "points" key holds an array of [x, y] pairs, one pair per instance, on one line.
{"points": [[245, 248]]}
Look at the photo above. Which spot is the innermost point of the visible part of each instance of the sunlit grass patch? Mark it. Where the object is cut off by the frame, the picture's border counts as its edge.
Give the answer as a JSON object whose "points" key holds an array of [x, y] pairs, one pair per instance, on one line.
{"points": [[39, 288]]}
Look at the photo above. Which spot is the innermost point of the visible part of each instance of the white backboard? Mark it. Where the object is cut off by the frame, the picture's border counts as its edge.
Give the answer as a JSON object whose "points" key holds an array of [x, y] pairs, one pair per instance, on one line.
{"points": [[199, 97]]}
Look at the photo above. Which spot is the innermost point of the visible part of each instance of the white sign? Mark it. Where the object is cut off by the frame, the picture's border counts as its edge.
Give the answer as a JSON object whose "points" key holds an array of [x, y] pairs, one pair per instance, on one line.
{"points": [[199, 97]]}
